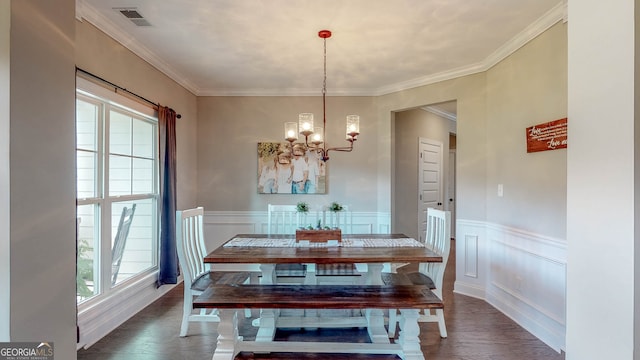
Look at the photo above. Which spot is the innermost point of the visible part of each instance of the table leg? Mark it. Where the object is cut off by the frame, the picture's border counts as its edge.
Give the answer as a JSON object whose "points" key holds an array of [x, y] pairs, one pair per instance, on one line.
{"points": [[310, 279], [268, 273], [267, 321], [374, 274], [409, 331]]}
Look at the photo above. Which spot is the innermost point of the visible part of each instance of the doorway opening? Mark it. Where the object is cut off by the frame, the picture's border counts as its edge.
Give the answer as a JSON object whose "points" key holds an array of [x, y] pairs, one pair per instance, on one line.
{"points": [[424, 171]]}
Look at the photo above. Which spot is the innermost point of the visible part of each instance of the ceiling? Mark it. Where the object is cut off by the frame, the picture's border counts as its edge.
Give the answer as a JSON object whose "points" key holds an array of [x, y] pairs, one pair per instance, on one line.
{"points": [[271, 47]]}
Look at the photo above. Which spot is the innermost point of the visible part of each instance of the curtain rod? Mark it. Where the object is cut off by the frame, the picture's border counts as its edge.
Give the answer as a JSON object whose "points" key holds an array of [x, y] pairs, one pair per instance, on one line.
{"points": [[155, 105]]}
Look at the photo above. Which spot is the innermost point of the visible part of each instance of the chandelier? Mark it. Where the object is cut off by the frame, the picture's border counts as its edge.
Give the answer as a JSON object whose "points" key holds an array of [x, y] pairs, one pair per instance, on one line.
{"points": [[314, 136]]}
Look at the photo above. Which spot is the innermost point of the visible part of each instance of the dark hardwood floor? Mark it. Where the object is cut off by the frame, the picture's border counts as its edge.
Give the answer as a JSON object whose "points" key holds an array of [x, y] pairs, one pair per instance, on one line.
{"points": [[476, 331]]}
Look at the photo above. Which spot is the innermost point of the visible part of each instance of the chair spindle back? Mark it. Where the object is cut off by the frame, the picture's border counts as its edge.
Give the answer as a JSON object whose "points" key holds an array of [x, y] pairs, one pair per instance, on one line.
{"points": [[190, 244], [438, 239]]}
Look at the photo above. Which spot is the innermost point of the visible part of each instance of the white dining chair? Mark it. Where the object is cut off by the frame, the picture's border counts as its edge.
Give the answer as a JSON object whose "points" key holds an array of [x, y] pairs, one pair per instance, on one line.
{"points": [[438, 239], [196, 274], [338, 273], [284, 220]]}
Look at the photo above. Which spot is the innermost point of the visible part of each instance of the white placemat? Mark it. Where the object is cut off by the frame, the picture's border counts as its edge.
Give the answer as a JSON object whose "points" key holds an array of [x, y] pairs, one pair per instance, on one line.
{"points": [[360, 242]]}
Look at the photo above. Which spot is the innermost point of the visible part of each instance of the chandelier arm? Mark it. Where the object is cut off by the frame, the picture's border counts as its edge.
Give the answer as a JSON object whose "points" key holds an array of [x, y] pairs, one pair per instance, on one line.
{"points": [[349, 148]]}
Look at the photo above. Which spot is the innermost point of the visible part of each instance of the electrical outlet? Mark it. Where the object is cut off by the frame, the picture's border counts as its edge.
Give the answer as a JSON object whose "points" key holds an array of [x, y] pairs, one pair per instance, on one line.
{"points": [[500, 190]]}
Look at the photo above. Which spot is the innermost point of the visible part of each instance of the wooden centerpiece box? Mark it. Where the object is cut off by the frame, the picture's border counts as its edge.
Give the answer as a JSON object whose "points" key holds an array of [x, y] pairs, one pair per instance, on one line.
{"points": [[319, 235]]}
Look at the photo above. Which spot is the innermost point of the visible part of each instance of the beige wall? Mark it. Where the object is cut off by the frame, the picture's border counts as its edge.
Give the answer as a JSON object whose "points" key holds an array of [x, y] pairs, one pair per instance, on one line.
{"points": [[229, 129], [42, 166], [411, 125], [99, 54], [528, 88]]}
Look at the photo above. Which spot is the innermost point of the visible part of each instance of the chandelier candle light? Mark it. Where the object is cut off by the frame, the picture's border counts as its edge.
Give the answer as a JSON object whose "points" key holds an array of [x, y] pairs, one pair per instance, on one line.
{"points": [[314, 136]]}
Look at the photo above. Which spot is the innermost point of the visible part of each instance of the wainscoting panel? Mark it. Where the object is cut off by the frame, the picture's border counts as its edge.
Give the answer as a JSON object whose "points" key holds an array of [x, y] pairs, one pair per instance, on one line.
{"points": [[471, 256], [528, 281], [471, 260], [522, 274]]}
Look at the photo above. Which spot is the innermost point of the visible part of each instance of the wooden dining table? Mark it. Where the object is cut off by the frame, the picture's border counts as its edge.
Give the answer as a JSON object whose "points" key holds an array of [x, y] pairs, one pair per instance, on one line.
{"points": [[370, 250]]}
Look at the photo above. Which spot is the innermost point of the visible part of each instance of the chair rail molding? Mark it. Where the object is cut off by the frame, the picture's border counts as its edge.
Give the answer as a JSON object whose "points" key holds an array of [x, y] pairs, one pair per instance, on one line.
{"points": [[520, 273]]}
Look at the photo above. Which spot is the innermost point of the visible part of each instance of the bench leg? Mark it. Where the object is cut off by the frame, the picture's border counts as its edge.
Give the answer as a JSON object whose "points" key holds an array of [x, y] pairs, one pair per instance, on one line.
{"points": [[375, 317], [409, 331], [375, 326], [227, 335]]}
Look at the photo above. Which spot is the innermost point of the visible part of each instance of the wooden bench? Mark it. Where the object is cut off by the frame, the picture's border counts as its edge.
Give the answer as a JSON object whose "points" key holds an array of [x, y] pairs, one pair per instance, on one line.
{"points": [[229, 298]]}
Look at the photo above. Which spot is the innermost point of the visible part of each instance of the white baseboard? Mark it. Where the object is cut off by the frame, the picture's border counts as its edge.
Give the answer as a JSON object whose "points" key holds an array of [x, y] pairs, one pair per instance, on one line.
{"points": [[469, 290]]}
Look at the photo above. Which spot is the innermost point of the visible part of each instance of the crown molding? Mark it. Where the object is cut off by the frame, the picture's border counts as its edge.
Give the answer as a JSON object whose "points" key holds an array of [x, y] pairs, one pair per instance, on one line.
{"points": [[442, 113], [286, 92], [430, 79], [80, 5], [553, 16], [550, 18], [89, 13]]}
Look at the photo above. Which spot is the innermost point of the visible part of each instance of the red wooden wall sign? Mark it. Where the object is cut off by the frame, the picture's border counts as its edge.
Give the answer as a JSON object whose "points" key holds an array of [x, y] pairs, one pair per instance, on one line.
{"points": [[547, 136]]}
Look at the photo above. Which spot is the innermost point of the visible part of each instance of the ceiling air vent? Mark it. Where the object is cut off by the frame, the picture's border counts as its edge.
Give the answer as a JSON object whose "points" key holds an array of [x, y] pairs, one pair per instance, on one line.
{"points": [[133, 15]]}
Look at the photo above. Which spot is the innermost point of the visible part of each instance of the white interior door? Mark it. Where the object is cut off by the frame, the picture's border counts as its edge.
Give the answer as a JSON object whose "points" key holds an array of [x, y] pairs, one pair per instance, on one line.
{"points": [[429, 181]]}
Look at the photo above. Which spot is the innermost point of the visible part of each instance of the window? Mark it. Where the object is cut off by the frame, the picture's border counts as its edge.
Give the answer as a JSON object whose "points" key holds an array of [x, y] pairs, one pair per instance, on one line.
{"points": [[117, 190]]}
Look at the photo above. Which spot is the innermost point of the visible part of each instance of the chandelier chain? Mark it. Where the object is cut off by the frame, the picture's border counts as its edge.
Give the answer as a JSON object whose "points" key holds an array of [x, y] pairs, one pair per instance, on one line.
{"points": [[324, 81]]}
